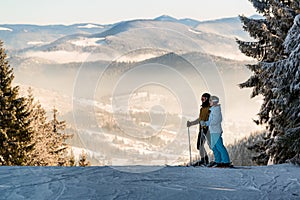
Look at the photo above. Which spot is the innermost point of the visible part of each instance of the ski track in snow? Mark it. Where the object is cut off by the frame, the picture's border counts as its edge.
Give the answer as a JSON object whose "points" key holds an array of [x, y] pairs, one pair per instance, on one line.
{"points": [[260, 183]]}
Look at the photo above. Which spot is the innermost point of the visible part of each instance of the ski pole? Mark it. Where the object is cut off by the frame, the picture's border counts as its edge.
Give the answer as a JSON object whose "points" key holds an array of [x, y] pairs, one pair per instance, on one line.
{"points": [[190, 146]]}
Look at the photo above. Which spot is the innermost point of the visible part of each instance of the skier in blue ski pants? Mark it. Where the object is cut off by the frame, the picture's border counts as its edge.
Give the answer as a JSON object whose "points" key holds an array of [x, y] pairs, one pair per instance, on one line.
{"points": [[215, 129]]}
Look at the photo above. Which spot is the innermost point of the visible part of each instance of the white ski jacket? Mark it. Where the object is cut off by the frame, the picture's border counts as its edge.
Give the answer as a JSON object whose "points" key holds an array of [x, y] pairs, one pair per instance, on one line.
{"points": [[215, 119]]}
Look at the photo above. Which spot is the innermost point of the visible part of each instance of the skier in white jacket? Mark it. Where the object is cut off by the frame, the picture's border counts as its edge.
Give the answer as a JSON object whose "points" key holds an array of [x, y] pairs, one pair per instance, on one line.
{"points": [[215, 130]]}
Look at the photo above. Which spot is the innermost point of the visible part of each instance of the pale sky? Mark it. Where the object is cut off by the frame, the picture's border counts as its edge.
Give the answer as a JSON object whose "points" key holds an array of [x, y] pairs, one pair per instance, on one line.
{"points": [[111, 11]]}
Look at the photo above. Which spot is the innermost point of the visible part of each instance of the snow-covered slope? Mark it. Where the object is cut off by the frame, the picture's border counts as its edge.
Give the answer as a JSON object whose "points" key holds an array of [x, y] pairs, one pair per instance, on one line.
{"points": [[275, 182]]}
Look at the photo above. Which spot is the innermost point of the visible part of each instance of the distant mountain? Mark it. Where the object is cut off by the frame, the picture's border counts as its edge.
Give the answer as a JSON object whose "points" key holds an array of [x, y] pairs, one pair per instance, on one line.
{"points": [[229, 27], [166, 18], [51, 37], [162, 34], [188, 22], [18, 36]]}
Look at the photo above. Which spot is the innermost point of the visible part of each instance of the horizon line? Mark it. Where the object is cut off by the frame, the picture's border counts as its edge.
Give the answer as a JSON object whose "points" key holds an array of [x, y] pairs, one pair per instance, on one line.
{"points": [[125, 20]]}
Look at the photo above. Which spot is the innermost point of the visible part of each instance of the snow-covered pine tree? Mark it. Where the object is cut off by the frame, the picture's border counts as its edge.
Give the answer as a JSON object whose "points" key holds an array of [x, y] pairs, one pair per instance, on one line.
{"points": [[285, 82], [239, 152], [49, 148], [58, 143], [269, 34], [40, 155], [15, 130]]}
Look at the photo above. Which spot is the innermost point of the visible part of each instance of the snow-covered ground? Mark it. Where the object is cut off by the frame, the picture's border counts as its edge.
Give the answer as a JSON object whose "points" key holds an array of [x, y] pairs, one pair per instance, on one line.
{"points": [[137, 182]]}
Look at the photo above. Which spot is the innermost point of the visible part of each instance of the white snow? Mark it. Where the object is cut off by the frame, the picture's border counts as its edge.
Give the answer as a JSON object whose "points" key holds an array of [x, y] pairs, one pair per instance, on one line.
{"points": [[150, 182], [297, 19], [90, 26], [36, 43], [5, 29], [137, 149], [195, 31], [84, 42]]}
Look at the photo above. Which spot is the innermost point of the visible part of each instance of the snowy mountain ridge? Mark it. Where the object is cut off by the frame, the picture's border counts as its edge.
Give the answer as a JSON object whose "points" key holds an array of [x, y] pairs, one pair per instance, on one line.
{"points": [[164, 32]]}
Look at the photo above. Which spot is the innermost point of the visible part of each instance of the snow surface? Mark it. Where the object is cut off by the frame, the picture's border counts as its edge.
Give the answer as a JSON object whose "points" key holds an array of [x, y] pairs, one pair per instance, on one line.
{"points": [[146, 182], [90, 26], [85, 42], [195, 31], [5, 29], [36, 43]]}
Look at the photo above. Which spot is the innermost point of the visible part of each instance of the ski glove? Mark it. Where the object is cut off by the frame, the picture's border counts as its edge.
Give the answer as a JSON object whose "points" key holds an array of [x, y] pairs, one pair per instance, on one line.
{"points": [[202, 123], [188, 123]]}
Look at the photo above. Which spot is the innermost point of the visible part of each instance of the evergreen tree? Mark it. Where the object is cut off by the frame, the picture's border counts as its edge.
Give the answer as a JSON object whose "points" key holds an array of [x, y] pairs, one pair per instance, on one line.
{"points": [[40, 155], [50, 148], [83, 160], [285, 82], [58, 143], [15, 130], [72, 161], [241, 152], [269, 34]]}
